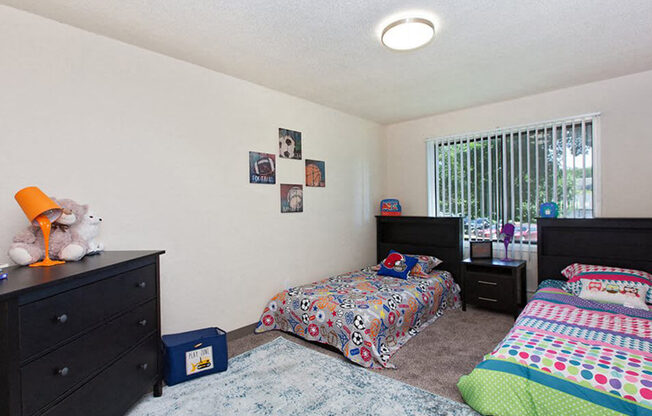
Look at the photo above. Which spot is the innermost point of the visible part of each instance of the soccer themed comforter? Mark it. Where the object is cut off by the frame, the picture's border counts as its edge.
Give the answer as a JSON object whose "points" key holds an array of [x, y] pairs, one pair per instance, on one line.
{"points": [[366, 316], [567, 356]]}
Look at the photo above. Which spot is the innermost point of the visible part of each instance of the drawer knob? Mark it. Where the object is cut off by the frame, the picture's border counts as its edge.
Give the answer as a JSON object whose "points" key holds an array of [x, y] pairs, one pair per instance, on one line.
{"points": [[487, 299], [62, 319], [63, 371], [141, 285], [143, 322], [484, 282], [144, 366]]}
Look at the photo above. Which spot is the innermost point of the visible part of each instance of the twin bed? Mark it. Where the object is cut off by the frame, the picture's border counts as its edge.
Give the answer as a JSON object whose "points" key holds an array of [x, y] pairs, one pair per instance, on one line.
{"points": [[565, 355], [367, 316]]}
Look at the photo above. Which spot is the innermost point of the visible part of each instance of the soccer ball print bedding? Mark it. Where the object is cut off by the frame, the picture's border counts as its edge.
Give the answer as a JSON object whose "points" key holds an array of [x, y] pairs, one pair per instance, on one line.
{"points": [[366, 316]]}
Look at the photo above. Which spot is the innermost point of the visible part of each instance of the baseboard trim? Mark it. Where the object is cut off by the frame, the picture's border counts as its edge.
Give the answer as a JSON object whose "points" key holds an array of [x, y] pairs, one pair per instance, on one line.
{"points": [[241, 332]]}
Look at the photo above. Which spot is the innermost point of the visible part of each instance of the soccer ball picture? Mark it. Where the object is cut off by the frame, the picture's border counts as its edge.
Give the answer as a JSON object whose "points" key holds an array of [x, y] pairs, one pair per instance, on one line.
{"points": [[289, 144], [286, 147]]}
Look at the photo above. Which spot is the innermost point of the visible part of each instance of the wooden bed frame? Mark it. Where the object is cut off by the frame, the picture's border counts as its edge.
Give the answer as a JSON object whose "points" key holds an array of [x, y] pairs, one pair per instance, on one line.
{"points": [[618, 242], [433, 236]]}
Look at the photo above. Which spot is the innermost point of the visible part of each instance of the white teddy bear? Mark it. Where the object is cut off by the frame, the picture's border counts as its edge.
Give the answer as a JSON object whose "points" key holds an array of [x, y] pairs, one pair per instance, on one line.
{"points": [[85, 231]]}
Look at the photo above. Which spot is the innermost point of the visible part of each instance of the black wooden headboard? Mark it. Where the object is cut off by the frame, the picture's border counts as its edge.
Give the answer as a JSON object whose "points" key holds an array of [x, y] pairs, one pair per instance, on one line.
{"points": [[433, 236], [618, 242]]}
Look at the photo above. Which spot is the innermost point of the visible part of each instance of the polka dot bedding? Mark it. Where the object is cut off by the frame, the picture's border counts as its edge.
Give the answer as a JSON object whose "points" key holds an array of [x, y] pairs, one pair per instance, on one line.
{"points": [[366, 316], [567, 356]]}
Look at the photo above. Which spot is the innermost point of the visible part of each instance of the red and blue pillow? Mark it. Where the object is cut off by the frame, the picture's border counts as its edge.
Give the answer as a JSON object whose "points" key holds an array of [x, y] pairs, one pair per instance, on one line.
{"points": [[397, 265]]}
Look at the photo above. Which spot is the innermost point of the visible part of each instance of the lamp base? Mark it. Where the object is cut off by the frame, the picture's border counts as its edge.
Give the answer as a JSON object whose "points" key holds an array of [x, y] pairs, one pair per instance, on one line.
{"points": [[46, 263]]}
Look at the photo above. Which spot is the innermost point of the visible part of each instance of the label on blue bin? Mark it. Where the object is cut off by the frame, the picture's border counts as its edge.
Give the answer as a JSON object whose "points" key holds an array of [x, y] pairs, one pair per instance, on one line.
{"points": [[199, 360]]}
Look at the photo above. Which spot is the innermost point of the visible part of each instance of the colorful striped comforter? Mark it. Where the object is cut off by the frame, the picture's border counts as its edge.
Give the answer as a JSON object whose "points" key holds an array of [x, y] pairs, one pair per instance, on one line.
{"points": [[567, 356], [366, 316]]}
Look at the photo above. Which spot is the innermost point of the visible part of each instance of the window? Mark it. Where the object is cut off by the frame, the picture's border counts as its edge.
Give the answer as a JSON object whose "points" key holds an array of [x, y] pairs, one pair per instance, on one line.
{"points": [[493, 177]]}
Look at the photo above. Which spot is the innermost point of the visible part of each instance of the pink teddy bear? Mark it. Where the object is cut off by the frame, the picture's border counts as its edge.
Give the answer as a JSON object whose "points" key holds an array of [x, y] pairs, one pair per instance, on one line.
{"points": [[71, 238]]}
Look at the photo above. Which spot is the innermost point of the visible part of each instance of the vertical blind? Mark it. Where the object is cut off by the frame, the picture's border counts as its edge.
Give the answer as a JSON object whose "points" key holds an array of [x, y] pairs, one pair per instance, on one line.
{"points": [[504, 175]]}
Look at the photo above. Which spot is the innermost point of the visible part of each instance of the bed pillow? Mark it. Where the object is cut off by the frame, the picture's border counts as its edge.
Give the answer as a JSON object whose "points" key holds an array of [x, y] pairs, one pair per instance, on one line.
{"points": [[425, 265], [621, 292], [397, 265], [577, 272]]}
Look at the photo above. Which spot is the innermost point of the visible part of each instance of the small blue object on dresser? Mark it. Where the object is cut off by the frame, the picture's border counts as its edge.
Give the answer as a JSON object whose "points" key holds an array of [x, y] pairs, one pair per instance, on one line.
{"points": [[549, 210], [194, 354], [390, 207], [3, 274]]}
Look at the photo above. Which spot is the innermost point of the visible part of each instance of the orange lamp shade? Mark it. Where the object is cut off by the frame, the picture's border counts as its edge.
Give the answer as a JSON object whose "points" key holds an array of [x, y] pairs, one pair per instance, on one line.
{"points": [[34, 203]]}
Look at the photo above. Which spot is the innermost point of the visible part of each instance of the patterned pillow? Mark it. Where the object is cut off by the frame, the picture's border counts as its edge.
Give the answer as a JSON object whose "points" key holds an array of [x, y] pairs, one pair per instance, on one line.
{"points": [[621, 292], [397, 265], [577, 272], [425, 265]]}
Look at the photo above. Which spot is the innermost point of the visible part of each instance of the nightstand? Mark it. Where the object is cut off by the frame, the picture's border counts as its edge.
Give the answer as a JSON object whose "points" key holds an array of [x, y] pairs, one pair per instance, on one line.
{"points": [[494, 284]]}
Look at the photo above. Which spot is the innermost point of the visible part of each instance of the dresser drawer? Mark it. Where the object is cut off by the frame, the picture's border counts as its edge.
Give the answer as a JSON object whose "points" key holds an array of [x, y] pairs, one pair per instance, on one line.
{"points": [[116, 389], [47, 322], [493, 291], [74, 362]]}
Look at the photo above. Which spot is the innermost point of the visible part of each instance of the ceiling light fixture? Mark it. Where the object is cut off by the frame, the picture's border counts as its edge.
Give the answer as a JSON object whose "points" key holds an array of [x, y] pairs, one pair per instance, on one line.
{"points": [[407, 34]]}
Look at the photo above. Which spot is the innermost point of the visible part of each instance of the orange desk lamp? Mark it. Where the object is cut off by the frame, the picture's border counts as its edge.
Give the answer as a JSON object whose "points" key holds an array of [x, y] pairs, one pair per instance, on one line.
{"points": [[42, 212]]}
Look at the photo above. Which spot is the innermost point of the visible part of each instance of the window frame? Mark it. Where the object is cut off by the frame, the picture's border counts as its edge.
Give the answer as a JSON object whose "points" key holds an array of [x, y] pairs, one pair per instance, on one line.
{"points": [[596, 159]]}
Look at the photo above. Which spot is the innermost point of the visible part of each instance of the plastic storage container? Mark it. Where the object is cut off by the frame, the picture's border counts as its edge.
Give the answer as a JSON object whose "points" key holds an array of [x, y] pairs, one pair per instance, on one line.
{"points": [[194, 354]]}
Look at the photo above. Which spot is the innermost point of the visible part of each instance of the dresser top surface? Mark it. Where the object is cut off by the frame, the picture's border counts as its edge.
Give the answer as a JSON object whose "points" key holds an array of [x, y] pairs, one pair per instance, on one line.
{"points": [[23, 279]]}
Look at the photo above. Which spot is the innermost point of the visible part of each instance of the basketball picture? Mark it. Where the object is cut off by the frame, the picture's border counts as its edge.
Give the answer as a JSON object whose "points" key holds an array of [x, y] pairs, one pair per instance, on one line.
{"points": [[262, 168], [315, 173], [289, 144], [291, 198]]}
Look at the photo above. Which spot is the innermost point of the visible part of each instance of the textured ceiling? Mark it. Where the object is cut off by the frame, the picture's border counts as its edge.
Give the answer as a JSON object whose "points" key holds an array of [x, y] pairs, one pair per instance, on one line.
{"points": [[328, 51]]}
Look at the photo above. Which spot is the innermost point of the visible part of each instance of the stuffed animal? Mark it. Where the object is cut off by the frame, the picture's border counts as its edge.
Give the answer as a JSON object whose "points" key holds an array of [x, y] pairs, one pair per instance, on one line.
{"points": [[83, 233], [72, 236]]}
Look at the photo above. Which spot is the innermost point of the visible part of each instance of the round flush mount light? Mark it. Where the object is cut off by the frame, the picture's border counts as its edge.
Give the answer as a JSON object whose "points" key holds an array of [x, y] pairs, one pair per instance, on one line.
{"points": [[409, 33]]}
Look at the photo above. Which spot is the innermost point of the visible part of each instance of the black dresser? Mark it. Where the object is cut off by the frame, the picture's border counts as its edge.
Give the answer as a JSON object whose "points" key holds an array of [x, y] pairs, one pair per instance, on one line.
{"points": [[81, 338]]}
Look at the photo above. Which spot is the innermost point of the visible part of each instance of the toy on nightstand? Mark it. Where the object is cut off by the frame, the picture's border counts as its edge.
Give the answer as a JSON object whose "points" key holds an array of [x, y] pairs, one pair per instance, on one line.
{"points": [[390, 207], [507, 233], [3, 274]]}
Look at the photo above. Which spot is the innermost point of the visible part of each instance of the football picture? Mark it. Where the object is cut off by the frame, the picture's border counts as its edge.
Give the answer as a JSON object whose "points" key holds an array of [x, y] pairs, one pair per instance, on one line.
{"points": [[262, 168], [315, 173], [289, 144], [291, 198]]}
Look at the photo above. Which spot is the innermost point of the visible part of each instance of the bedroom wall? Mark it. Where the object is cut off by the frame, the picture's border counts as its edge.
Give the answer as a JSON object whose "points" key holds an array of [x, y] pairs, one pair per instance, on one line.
{"points": [[626, 107], [159, 148]]}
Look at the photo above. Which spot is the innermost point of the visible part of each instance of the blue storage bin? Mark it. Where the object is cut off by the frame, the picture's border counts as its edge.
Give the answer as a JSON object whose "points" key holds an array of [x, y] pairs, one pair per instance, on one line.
{"points": [[194, 354]]}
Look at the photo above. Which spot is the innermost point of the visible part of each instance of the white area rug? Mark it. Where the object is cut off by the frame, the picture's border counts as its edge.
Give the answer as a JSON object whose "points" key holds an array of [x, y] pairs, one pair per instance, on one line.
{"points": [[284, 378]]}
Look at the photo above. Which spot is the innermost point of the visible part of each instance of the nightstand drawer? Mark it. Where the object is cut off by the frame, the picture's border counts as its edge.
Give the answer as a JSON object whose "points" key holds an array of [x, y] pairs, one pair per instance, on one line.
{"points": [[490, 290]]}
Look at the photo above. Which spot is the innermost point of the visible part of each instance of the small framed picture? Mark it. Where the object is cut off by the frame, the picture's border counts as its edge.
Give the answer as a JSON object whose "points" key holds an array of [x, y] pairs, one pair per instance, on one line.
{"points": [[481, 250]]}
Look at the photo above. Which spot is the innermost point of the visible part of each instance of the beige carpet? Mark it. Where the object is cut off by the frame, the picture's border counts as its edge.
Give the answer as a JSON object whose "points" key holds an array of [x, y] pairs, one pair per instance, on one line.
{"points": [[433, 360]]}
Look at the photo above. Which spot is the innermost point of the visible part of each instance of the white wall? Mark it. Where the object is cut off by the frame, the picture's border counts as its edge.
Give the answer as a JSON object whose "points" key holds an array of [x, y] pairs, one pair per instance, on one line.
{"points": [[626, 146], [159, 148]]}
